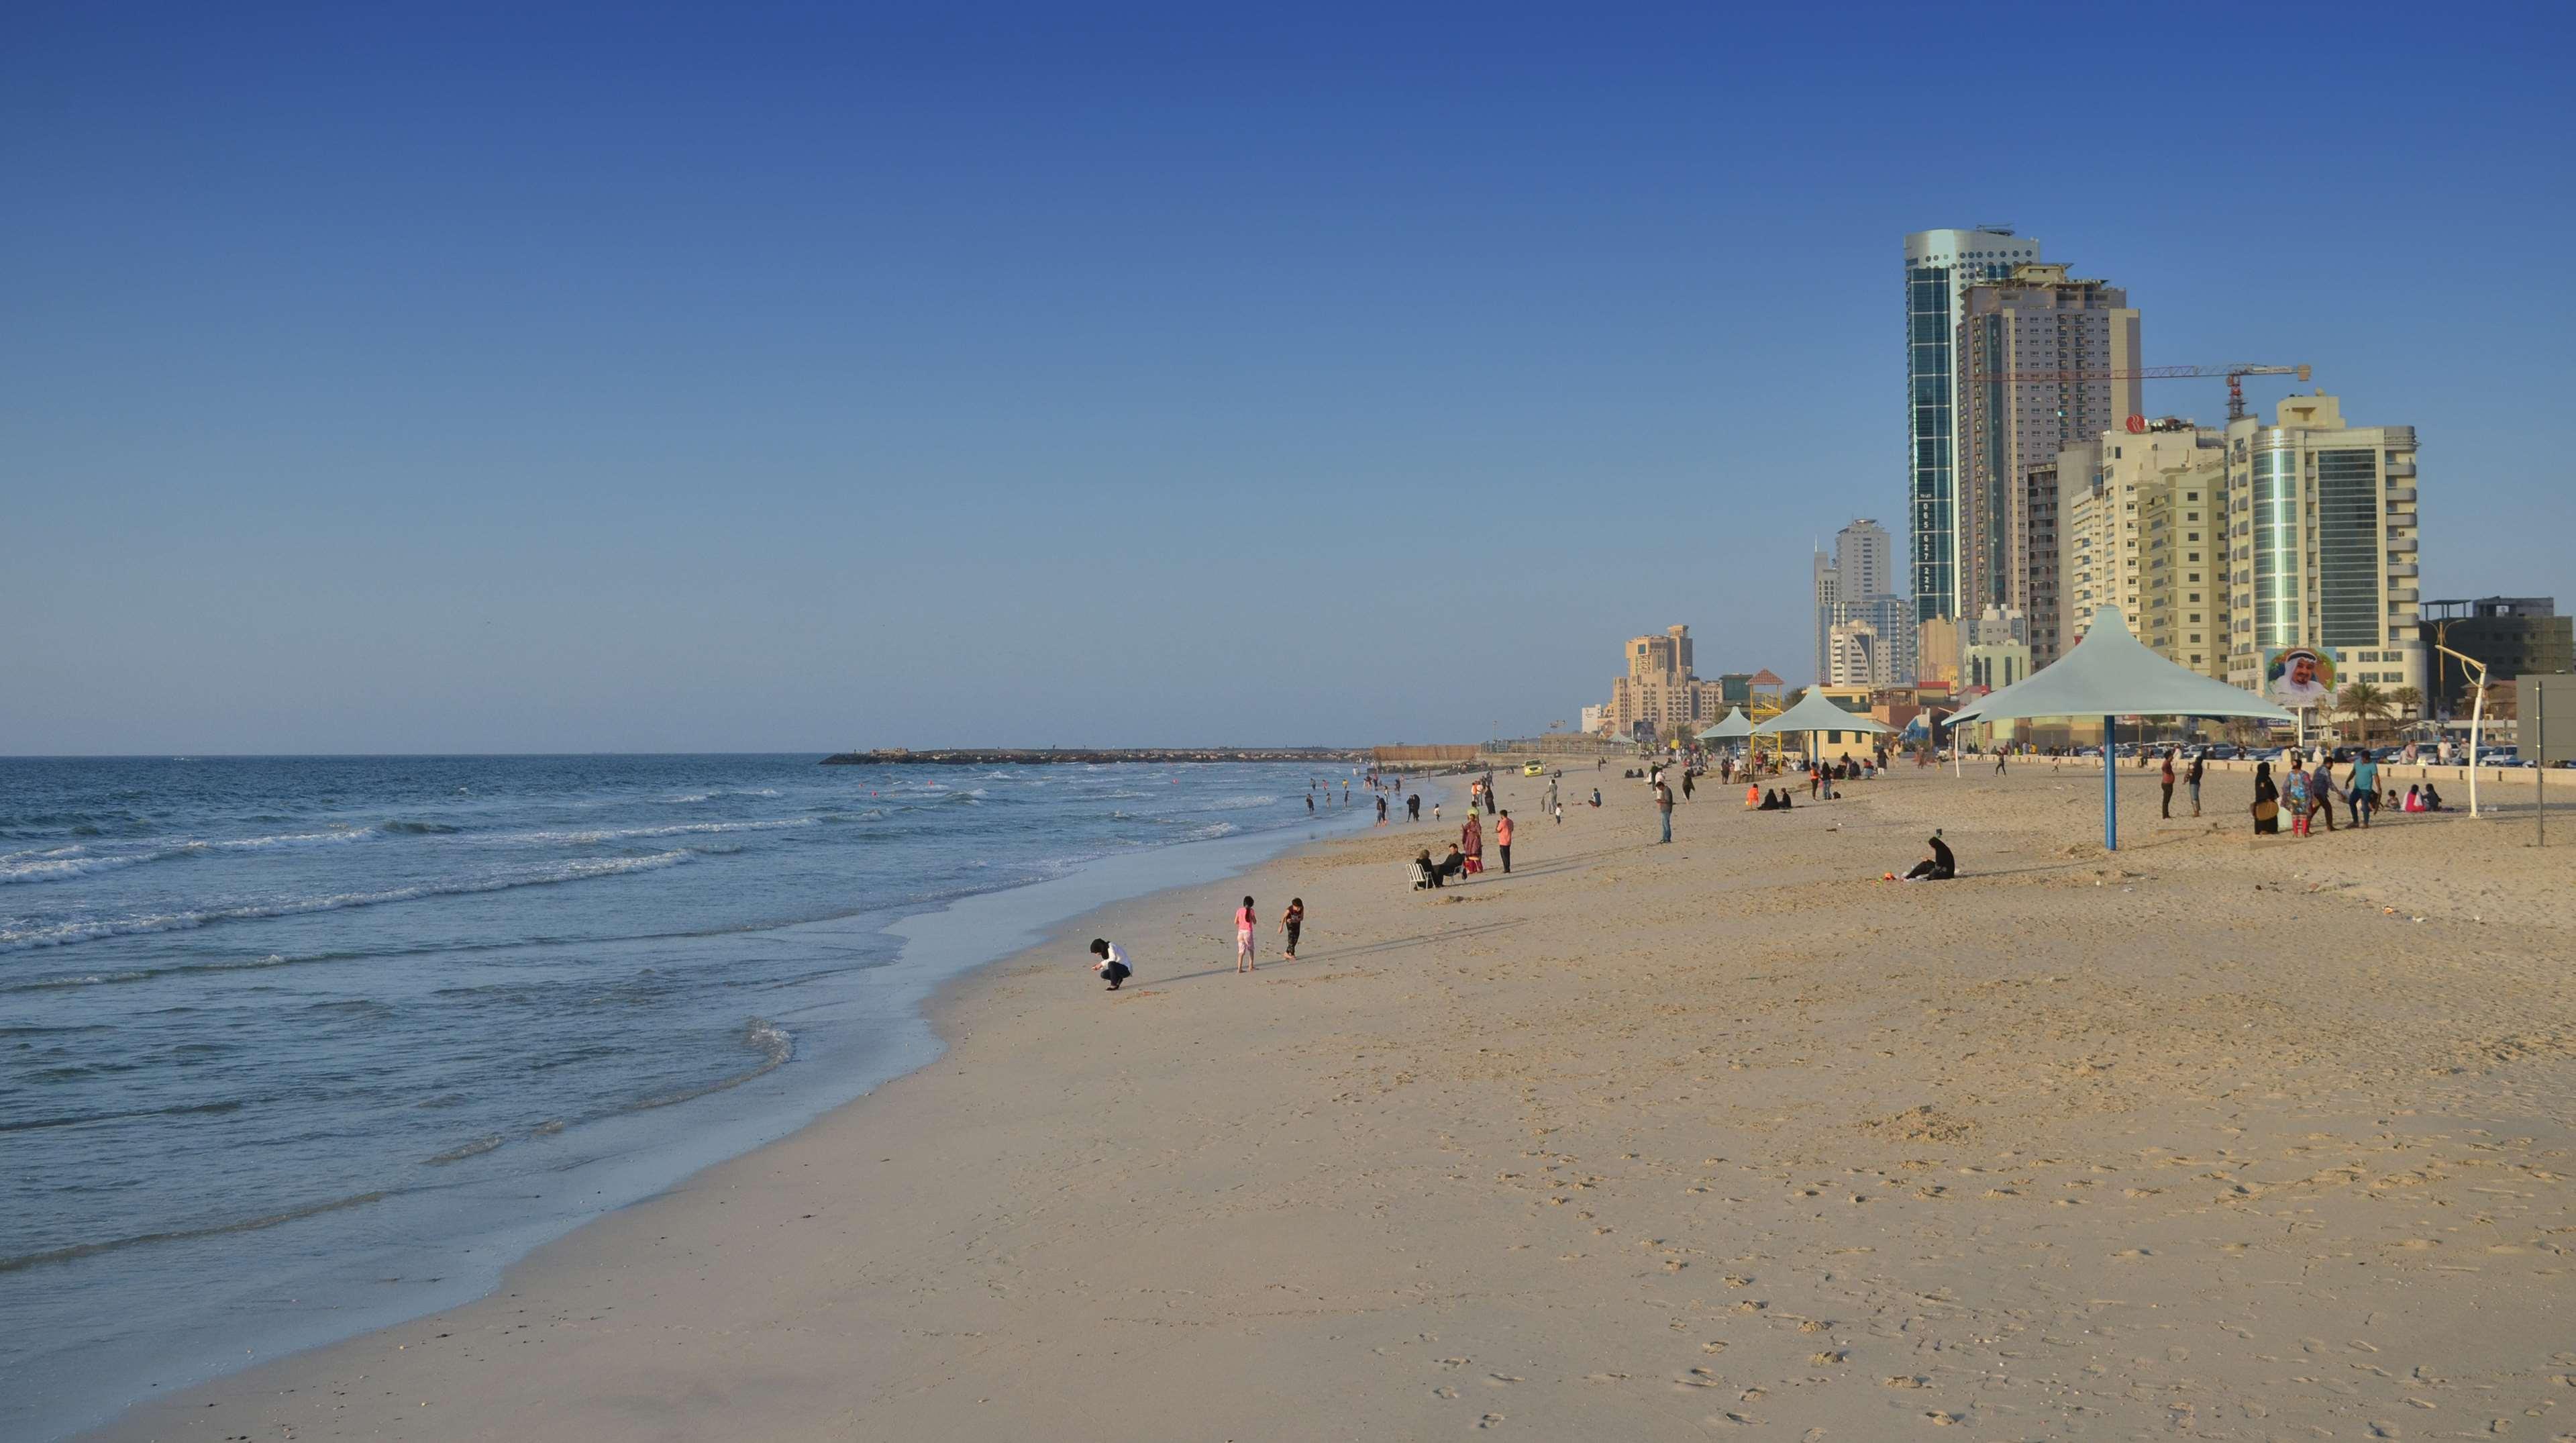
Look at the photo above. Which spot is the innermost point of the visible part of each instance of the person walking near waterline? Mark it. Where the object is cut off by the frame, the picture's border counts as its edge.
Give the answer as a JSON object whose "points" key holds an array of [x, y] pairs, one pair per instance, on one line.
{"points": [[1503, 841], [1292, 922], [1413, 807], [1244, 922], [1381, 809]]}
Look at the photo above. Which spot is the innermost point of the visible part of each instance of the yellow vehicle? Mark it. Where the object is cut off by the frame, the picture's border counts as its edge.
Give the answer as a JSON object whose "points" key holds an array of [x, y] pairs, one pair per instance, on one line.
{"points": [[1533, 769]]}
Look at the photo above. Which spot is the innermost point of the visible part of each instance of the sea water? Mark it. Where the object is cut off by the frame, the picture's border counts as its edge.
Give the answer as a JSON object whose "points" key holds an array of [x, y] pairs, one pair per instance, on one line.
{"points": [[294, 1047]]}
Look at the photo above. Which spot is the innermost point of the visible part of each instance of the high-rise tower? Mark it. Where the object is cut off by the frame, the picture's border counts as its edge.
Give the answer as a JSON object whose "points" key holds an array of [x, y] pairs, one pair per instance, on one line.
{"points": [[1939, 267], [2043, 361]]}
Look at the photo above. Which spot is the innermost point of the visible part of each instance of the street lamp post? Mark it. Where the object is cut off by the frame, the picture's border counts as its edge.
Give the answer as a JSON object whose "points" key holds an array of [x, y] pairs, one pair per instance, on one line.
{"points": [[2477, 715]]}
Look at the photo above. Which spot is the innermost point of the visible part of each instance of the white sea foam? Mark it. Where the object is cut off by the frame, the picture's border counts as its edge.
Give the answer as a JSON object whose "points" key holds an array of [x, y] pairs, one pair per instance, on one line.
{"points": [[64, 934], [615, 834], [61, 869]]}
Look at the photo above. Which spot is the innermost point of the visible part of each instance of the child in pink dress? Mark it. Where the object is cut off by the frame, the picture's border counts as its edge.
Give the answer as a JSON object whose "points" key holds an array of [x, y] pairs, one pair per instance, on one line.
{"points": [[1244, 922]]}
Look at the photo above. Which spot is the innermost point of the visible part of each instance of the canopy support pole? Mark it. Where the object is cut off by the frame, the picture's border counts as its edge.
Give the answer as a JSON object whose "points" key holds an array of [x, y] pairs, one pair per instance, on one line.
{"points": [[2110, 785]]}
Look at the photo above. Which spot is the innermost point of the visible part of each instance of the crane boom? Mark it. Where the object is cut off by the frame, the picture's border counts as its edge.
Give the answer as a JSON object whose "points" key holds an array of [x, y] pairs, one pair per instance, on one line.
{"points": [[2235, 372]]}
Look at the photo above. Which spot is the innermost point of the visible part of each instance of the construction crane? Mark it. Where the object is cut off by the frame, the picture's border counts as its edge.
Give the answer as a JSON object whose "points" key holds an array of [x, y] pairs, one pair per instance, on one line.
{"points": [[2235, 373]]}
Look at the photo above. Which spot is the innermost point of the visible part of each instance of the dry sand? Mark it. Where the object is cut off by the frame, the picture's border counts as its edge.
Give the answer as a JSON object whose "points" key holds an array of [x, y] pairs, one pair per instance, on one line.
{"points": [[1645, 1142]]}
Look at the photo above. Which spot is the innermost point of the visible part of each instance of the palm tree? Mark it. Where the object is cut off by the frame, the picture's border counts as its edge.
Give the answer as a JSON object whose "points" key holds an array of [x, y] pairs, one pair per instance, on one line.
{"points": [[2406, 699], [2365, 704]]}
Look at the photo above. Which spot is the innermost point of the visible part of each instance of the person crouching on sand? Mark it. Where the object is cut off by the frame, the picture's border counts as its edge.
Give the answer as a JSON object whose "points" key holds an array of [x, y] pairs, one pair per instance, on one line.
{"points": [[1110, 961], [1244, 923]]}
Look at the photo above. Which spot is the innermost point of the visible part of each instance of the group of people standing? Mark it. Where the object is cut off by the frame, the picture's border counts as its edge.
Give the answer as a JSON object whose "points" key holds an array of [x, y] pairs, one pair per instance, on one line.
{"points": [[2308, 793]]}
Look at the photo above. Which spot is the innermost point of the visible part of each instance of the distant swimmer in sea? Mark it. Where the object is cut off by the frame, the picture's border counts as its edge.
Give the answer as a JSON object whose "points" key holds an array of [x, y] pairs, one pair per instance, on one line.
{"points": [[1244, 923], [1292, 922], [1310, 802], [1110, 961], [1937, 865]]}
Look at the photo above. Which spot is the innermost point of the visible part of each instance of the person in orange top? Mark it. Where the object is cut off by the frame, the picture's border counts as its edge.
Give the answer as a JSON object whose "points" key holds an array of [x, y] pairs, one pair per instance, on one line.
{"points": [[1503, 841]]}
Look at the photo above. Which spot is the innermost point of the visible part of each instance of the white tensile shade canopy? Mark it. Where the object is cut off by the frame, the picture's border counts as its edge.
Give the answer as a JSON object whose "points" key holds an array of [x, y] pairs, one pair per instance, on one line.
{"points": [[1729, 727], [2110, 673]]}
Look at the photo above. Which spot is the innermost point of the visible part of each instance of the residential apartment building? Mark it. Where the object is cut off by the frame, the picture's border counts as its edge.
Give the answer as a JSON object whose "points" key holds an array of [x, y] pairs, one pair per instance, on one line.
{"points": [[1939, 267], [1936, 651], [1864, 632], [2139, 528], [1660, 691], [1997, 650], [2321, 537], [2044, 360]]}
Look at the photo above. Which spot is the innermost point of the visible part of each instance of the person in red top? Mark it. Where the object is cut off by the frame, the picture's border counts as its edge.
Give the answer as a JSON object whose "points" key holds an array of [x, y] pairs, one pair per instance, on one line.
{"points": [[1471, 840], [1503, 841]]}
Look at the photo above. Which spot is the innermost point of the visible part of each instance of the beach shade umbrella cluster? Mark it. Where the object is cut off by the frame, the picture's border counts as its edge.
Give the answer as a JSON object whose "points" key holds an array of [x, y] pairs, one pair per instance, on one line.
{"points": [[1814, 713], [1734, 726], [2111, 674]]}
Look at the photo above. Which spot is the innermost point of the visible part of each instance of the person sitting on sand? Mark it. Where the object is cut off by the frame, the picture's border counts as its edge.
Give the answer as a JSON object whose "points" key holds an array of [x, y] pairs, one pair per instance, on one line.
{"points": [[1936, 866], [1110, 961], [2414, 799], [2432, 797]]}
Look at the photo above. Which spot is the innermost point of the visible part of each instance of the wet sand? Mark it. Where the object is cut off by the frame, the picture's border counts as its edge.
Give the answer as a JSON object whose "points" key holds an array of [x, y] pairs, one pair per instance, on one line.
{"points": [[2216, 1137]]}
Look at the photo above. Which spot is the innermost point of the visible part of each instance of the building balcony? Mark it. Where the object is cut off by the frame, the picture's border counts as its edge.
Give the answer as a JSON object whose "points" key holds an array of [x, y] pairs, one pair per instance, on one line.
{"points": [[2401, 468], [2401, 568], [2401, 543], [2401, 495], [2404, 595]]}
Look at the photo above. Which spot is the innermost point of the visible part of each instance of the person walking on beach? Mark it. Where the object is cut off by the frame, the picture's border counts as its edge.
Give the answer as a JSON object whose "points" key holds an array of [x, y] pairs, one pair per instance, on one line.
{"points": [[1559, 809], [1381, 809], [2267, 802], [1471, 840], [1503, 841], [2294, 795], [2191, 778], [1292, 922], [1999, 761], [2321, 788], [2169, 783], [1244, 922], [1110, 961], [1686, 784], [1413, 807], [2365, 790], [1435, 811], [1664, 806]]}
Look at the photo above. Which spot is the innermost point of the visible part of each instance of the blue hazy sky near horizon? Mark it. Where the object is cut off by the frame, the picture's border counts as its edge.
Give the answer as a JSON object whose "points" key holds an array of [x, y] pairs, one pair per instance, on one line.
{"points": [[710, 378]]}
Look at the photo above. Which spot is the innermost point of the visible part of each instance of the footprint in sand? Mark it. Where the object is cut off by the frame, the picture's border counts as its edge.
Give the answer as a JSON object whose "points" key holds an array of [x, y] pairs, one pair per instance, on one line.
{"points": [[1500, 1380], [1489, 1420]]}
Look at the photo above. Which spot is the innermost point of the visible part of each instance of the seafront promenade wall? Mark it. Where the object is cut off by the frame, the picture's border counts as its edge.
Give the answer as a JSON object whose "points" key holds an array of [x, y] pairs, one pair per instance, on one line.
{"points": [[1422, 756]]}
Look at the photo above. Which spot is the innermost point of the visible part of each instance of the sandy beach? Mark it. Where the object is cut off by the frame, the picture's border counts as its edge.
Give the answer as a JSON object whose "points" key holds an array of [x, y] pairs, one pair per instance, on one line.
{"points": [[2218, 1137]]}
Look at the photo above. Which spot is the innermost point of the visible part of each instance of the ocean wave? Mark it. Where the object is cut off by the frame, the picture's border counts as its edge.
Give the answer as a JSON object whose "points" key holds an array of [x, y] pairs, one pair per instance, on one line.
{"points": [[677, 829], [1235, 804], [145, 974], [81, 1250], [64, 934], [418, 829], [61, 869], [775, 1044], [462, 1151]]}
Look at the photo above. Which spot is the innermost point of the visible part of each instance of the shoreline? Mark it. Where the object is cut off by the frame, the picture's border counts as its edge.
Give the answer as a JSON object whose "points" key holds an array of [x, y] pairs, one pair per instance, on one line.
{"points": [[620, 1161], [1642, 1141]]}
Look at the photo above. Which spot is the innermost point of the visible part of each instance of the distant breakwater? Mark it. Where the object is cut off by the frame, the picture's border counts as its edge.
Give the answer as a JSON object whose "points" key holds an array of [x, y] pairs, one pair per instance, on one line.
{"points": [[1043, 756]]}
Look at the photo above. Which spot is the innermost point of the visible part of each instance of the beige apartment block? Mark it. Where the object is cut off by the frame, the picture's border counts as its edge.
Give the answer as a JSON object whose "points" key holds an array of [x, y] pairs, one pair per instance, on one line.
{"points": [[1936, 650], [1660, 688], [2321, 538], [2045, 361], [2139, 531]]}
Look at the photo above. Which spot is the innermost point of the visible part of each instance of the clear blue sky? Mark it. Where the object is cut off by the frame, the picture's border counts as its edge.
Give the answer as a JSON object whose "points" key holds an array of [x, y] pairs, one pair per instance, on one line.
{"points": [[498, 378]]}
